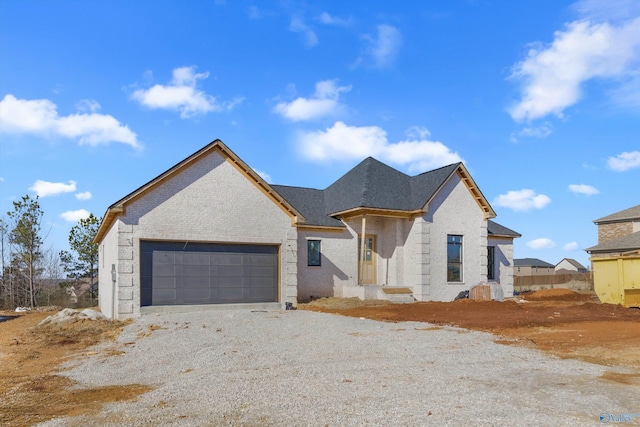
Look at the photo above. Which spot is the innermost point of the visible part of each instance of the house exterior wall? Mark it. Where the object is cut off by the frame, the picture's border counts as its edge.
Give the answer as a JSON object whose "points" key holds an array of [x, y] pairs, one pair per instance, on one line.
{"points": [[611, 231], [503, 253], [108, 257], [338, 263], [453, 211], [527, 270], [209, 201], [566, 265]]}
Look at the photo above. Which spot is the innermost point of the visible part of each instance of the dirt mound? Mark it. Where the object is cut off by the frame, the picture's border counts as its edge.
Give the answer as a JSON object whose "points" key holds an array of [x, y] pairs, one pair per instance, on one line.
{"points": [[557, 294]]}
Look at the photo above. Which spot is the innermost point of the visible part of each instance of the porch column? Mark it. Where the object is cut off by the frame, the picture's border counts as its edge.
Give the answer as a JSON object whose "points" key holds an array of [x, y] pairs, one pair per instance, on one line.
{"points": [[362, 246]]}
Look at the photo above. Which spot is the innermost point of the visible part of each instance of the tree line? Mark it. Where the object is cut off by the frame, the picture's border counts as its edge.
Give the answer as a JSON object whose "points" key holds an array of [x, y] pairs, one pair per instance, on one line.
{"points": [[34, 276]]}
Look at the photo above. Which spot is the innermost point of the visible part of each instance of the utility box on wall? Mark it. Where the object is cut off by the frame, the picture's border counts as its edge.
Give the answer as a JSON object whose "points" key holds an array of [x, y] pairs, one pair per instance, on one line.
{"points": [[616, 279]]}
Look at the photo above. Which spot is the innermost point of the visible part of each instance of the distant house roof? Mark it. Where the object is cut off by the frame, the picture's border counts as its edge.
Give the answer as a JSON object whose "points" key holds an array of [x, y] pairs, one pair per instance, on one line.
{"points": [[495, 229], [626, 243], [531, 262], [573, 262], [625, 215]]}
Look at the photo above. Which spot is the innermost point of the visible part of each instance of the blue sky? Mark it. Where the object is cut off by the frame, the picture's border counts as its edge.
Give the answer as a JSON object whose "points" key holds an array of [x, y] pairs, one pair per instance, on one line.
{"points": [[541, 100]]}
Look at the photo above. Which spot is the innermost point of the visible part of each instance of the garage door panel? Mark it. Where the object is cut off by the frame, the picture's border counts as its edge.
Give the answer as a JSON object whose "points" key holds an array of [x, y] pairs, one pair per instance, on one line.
{"points": [[196, 295], [196, 282], [164, 282], [196, 270], [164, 270], [230, 294], [226, 259], [260, 271], [186, 273], [260, 260], [230, 271], [196, 258], [163, 296]]}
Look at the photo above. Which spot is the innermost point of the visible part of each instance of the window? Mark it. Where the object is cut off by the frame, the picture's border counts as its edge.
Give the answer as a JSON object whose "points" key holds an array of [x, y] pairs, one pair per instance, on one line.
{"points": [[454, 258], [313, 253], [491, 256]]}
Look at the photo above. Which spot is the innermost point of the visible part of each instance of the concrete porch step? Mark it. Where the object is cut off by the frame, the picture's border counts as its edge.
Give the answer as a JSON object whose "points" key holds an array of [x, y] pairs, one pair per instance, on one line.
{"points": [[398, 295]]}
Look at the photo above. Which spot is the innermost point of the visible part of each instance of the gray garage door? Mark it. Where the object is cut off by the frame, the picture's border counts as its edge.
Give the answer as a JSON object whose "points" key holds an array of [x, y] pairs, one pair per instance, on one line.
{"points": [[177, 273]]}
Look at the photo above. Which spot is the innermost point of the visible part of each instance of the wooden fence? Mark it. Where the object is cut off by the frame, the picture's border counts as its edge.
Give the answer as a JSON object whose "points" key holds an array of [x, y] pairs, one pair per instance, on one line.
{"points": [[552, 279]]}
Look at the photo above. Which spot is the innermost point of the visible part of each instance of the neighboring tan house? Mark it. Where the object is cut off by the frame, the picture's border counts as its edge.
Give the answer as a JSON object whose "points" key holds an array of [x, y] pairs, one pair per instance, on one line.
{"points": [[617, 233], [532, 267], [211, 231], [568, 266], [615, 260]]}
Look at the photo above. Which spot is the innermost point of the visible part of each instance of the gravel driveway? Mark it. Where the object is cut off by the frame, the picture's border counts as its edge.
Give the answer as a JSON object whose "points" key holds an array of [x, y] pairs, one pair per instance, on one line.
{"points": [[296, 368]]}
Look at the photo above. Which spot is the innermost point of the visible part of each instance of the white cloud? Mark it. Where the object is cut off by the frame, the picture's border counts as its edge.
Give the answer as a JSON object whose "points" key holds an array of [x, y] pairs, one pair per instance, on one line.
{"points": [[625, 161], [552, 75], [343, 142], [263, 175], [583, 189], [297, 25], [75, 216], [87, 106], [324, 102], [540, 132], [383, 48], [40, 117], [45, 188], [541, 243], [182, 94], [327, 19], [84, 196], [571, 246], [522, 200]]}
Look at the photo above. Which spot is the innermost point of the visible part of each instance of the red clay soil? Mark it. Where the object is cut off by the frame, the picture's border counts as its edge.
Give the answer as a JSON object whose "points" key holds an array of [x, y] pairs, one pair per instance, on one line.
{"points": [[559, 321]]}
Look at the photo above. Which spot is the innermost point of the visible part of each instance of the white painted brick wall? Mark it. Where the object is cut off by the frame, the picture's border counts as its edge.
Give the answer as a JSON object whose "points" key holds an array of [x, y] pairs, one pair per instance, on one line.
{"points": [[503, 263], [211, 201], [453, 211]]}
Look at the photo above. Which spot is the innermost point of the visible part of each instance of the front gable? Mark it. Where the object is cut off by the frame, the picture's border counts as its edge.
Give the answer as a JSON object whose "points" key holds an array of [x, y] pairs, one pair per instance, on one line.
{"points": [[200, 169], [460, 173]]}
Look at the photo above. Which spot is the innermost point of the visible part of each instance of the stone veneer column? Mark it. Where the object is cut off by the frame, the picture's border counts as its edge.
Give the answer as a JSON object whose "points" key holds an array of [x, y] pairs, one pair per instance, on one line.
{"points": [[289, 280], [421, 280], [125, 272]]}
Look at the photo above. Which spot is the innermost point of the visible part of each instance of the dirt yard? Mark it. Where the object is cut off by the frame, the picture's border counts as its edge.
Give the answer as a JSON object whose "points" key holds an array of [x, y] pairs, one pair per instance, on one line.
{"points": [[561, 322], [30, 358], [558, 321]]}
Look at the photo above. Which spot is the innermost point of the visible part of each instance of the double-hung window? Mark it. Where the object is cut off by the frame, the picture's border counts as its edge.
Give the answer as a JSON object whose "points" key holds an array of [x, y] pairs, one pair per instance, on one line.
{"points": [[313, 253], [454, 258]]}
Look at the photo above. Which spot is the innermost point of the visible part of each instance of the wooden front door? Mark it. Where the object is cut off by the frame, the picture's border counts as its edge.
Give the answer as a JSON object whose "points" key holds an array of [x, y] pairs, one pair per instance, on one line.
{"points": [[367, 266]]}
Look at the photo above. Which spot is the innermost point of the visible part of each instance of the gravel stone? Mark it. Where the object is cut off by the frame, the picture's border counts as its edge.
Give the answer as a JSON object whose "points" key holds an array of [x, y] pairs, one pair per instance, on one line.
{"points": [[246, 368]]}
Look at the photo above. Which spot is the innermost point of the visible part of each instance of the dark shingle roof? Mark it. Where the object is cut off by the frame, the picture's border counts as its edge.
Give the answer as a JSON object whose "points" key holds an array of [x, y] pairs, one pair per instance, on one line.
{"points": [[627, 214], [370, 184], [310, 203], [531, 262], [493, 228], [621, 244]]}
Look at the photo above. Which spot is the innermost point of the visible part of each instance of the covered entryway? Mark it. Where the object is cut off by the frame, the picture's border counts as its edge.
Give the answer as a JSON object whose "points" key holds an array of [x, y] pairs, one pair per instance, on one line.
{"points": [[183, 273]]}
